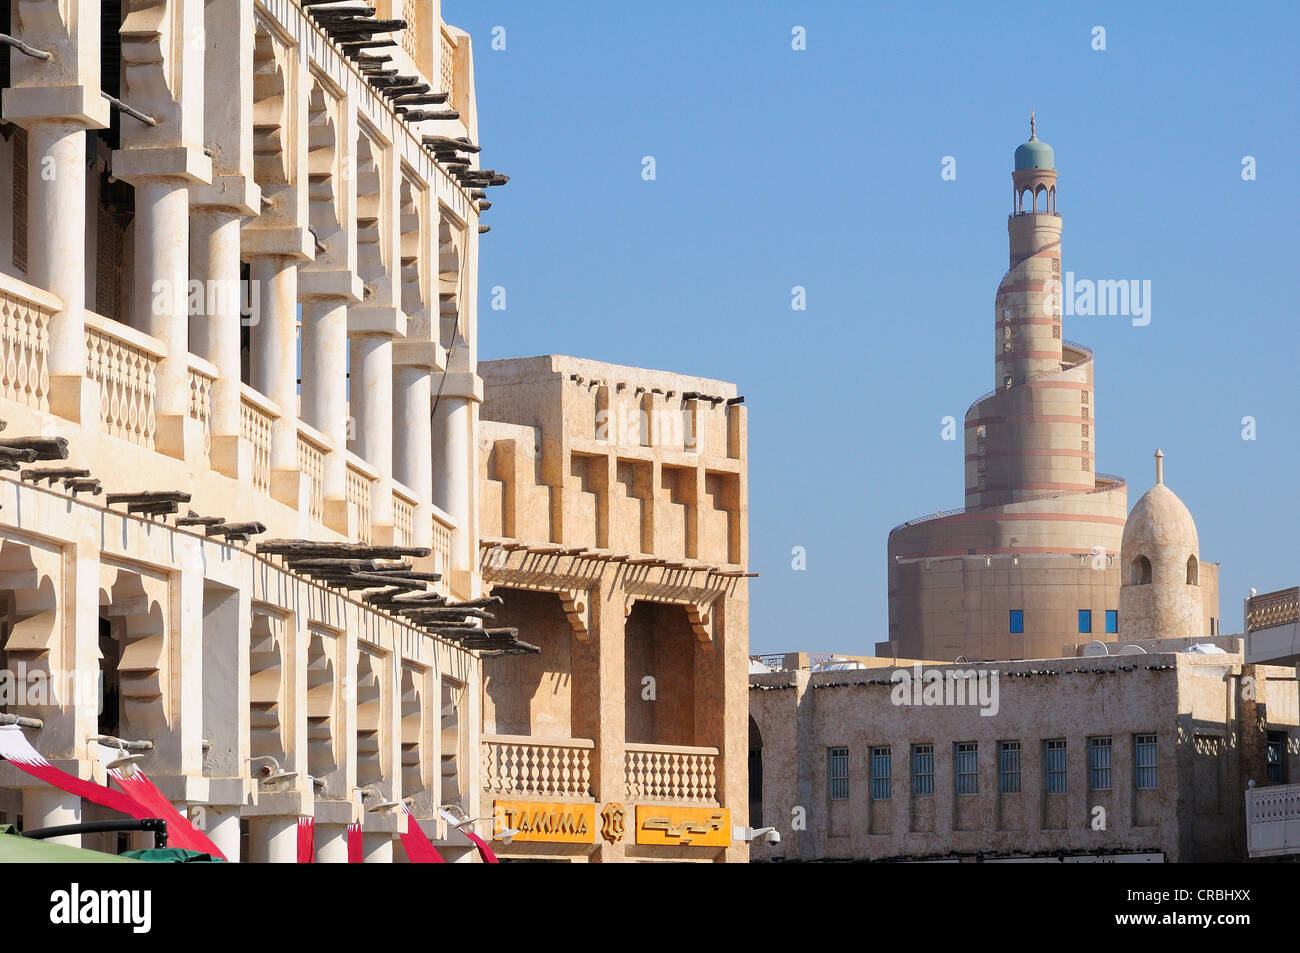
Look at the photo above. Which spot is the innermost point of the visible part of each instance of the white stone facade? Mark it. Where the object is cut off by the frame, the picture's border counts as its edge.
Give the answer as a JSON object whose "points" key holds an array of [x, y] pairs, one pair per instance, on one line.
{"points": [[262, 296]]}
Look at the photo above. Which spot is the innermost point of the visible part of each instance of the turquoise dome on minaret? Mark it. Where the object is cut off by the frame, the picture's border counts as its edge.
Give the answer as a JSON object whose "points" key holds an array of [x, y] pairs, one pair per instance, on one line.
{"points": [[1034, 154]]}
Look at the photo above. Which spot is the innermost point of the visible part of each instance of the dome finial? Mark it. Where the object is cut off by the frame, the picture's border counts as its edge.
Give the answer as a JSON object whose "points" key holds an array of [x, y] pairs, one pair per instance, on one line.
{"points": [[1033, 125], [1160, 465]]}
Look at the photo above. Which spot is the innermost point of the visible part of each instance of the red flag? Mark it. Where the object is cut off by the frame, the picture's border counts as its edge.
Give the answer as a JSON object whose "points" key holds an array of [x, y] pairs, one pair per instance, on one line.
{"points": [[15, 747], [484, 851], [306, 840], [355, 853], [180, 832], [419, 849], [139, 797]]}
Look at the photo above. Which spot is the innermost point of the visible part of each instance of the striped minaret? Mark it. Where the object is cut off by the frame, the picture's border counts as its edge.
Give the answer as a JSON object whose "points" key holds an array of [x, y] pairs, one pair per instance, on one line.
{"points": [[1033, 436]]}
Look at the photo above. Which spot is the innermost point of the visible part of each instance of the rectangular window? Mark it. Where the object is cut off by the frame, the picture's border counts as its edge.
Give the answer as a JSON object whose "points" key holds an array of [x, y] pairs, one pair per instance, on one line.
{"points": [[1099, 764], [838, 773], [1144, 750], [881, 769], [1276, 754], [922, 769], [1009, 767], [1112, 621], [1017, 620], [1085, 620], [968, 780], [1054, 765]]}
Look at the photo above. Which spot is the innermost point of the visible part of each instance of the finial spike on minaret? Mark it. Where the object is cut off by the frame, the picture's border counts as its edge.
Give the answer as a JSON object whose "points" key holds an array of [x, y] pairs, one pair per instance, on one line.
{"points": [[1033, 125], [1160, 465]]}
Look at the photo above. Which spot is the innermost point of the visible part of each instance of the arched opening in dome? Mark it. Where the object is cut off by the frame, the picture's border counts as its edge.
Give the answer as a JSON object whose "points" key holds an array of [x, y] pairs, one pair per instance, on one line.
{"points": [[1026, 196], [1141, 571], [1193, 572], [1041, 191]]}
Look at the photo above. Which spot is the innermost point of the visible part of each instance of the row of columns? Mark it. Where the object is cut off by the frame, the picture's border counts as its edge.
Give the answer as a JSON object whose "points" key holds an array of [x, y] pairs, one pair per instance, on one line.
{"points": [[195, 218], [207, 609]]}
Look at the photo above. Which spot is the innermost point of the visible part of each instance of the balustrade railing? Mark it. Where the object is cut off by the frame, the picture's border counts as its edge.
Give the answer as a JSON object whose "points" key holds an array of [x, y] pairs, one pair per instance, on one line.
{"points": [[360, 488], [25, 316], [447, 68], [202, 376], [666, 772], [444, 528], [1279, 803], [256, 415], [526, 765], [404, 505], [123, 363], [1273, 820], [312, 448], [1273, 608]]}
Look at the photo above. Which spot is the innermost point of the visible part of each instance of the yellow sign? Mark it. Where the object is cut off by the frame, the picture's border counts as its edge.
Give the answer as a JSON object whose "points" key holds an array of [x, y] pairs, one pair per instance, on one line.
{"points": [[549, 821], [694, 826]]}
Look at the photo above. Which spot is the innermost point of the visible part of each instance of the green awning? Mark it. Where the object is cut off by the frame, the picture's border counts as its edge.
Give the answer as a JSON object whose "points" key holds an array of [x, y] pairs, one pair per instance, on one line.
{"points": [[172, 855], [16, 849]]}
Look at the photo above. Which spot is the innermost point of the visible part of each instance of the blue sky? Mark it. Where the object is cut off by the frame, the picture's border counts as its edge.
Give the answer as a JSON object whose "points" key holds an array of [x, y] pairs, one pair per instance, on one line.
{"points": [[821, 168]]}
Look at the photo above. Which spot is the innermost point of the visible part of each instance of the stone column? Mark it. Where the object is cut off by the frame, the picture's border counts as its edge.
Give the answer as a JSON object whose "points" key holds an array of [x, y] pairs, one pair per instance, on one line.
{"points": [[450, 458], [455, 466], [218, 210], [326, 296], [331, 843], [214, 331], [47, 806], [273, 839], [163, 160], [56, 119], [609, 774], [377, 848], [56, 100], [223, 829], [160, 305], [370, 401], [414, 363], [274, 364]]}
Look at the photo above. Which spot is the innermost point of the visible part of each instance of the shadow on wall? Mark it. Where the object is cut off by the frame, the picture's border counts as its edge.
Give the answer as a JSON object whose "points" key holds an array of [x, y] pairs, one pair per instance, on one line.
{"points": [[533, 694]]}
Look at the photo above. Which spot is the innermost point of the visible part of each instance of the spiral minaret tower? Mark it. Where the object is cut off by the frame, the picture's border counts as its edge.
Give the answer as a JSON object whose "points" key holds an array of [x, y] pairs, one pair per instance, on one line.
{"points": [[1040, 531]]}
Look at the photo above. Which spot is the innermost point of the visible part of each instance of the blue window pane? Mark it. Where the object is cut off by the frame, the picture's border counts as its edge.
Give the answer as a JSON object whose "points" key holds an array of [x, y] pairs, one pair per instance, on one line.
{"points": [[1085, 620], [1112, 621], [1017, 620]]}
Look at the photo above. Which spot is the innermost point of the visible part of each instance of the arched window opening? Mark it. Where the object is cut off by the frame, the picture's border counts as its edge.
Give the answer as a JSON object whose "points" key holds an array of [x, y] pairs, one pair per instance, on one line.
{"points": [[1141, 571], [1193, 571]]}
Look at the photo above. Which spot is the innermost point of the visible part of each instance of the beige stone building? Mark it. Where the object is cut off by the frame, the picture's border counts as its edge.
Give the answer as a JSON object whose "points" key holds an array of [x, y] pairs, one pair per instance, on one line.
{"points": [[238, 253], [613, 510], [1128, 758], [1034, 560]]}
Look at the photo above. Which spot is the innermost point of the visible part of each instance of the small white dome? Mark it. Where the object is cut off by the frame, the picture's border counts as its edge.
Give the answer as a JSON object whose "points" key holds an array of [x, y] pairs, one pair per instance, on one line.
{"points": [[1161, 529], [1160, 524], [1160, 592]]}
